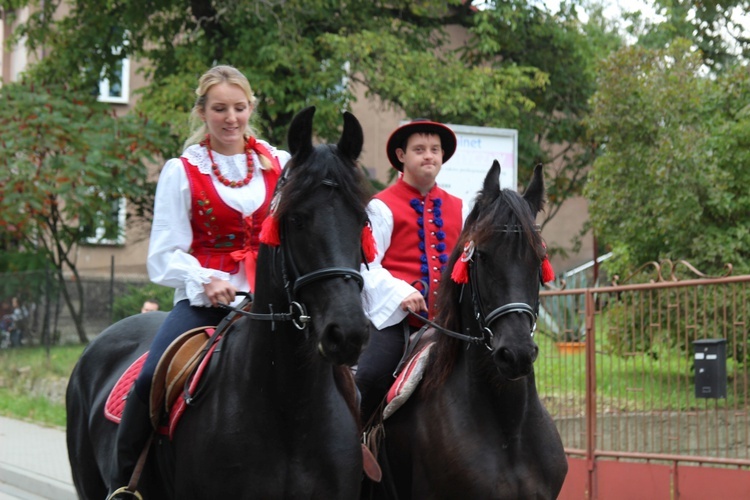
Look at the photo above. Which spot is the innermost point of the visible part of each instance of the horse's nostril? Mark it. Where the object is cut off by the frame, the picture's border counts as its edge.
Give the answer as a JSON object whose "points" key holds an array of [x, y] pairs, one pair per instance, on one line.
{"points": [[342, 346], [506, 355], [517, 360]]}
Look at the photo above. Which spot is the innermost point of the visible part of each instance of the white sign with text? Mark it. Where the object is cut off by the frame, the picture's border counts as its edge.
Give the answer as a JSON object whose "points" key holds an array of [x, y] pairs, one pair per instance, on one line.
{"points": [[477, 148]]}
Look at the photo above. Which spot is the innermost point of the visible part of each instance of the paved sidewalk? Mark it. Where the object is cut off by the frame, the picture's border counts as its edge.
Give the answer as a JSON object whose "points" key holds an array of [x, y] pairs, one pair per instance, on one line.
{"points": [[34, 459]]}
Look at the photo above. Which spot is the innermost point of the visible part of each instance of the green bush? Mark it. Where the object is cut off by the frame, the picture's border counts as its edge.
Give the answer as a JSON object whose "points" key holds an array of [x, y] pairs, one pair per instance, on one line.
{"points": [[640, 323], [33, 382], [131, 301]]}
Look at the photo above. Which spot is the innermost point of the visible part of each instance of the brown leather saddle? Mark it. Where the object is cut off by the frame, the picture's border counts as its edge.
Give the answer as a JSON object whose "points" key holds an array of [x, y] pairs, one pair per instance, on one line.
{"points": [[177, 363], [173, 370]]}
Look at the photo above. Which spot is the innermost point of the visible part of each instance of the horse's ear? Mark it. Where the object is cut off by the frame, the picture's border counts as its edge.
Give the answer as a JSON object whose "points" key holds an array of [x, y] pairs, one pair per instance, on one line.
{"points": [[492, 181], [352, 138], [489, 193], [534, 194], [299, 137]]}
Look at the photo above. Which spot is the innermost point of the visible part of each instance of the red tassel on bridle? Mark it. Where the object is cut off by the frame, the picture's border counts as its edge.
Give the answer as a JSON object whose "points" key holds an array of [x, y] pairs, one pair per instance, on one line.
{"points": [[460, 273], [269, 235], [548, 274], [369, 248], [269, 232]]}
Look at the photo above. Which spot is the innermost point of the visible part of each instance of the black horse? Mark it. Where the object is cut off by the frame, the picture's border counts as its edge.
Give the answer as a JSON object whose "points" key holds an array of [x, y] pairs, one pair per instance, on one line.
{"points": [[271, 420], [475, 427]]}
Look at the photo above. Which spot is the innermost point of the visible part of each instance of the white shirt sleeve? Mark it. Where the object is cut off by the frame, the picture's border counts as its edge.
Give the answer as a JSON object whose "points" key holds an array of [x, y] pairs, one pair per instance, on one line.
{"points": [[382, 293], [169, 262]]}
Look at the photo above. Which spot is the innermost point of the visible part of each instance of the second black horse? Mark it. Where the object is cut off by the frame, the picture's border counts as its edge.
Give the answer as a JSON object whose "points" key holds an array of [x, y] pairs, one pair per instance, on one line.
{"points": [[475, 427]]}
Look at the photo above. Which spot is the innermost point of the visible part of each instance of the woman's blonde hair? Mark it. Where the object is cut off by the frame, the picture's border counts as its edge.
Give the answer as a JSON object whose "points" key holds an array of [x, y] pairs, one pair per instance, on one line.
{"points": [[215, 75]]}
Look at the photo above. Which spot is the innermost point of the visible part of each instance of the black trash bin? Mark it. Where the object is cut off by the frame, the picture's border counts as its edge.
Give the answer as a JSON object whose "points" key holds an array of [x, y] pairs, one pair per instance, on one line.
{"points": [[710, 368]]}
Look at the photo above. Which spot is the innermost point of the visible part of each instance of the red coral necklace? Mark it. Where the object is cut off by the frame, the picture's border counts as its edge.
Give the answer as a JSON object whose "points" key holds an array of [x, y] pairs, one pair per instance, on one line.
{"points": [[215, 168]]}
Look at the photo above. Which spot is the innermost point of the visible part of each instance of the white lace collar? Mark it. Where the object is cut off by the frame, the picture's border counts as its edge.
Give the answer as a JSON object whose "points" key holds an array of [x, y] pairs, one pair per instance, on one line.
{"points": [[233, 167]]}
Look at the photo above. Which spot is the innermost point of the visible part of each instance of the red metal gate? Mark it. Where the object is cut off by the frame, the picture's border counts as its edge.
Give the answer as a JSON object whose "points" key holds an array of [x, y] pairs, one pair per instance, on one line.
{"points": [[626, 405]]}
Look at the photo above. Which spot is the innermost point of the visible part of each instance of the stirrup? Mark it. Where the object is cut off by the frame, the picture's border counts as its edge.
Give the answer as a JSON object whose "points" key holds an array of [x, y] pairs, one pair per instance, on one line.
{"points": [[125, 490]]}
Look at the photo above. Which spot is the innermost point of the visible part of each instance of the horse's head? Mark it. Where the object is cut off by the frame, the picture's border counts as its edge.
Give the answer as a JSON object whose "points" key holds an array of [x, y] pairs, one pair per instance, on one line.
{"points": [[503, 252], [320, 209]]}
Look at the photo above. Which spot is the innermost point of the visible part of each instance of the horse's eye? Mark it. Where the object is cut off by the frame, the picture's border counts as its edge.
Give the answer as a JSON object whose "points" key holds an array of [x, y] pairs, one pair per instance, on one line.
{"points": [[297, 221], [483, 258]]}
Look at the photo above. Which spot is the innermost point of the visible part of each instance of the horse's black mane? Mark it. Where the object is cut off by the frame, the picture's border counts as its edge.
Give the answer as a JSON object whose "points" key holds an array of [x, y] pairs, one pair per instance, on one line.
{"points": [[507, 213], [323, 164]]}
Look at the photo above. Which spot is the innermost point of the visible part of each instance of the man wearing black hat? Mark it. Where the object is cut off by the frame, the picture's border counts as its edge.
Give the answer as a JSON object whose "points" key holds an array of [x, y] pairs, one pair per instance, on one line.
{"points": [[416, 224]]}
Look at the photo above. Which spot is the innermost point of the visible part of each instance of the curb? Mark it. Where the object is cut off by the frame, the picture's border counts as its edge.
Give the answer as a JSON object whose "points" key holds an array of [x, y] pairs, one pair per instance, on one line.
{"points": [[37, 484]]}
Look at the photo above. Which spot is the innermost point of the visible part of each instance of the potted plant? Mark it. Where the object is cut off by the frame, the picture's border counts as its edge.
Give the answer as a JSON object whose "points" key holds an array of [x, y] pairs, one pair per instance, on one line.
{"points": [[563, 318]]}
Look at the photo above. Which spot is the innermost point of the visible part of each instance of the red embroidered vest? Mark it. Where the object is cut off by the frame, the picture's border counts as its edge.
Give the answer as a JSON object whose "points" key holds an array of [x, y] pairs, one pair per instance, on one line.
{"points": [[218, 229], [419, 252]]}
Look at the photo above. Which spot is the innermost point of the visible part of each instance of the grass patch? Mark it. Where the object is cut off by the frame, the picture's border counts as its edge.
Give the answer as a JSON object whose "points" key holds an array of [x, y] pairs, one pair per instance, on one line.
{"points": [[661, 378], [33, 382]]}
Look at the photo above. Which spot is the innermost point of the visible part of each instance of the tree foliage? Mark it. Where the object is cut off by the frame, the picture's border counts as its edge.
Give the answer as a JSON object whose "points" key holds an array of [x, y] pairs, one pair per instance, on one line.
{"points": [[714, 27], [288, 49], [521, 67], [566, 50], [67, 162], [672, 180]]}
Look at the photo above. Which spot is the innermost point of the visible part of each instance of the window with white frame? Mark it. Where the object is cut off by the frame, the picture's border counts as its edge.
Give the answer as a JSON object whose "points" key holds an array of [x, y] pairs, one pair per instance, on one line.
{"points": [[116, 235], [117, 92]]}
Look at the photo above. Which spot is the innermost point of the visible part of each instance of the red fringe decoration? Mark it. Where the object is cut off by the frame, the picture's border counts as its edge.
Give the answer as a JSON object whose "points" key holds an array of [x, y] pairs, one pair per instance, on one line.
{"points": [[369, 248], [269, 232], [460, 273], [548, 274]]}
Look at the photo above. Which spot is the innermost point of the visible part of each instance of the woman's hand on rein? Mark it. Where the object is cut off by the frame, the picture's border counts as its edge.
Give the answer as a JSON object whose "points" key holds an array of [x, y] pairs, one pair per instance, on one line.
{"points": [[220, 291]]}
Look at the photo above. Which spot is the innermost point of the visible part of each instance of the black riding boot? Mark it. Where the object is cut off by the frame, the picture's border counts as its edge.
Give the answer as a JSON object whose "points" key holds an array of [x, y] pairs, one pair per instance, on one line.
{"points": [[135, 429]]}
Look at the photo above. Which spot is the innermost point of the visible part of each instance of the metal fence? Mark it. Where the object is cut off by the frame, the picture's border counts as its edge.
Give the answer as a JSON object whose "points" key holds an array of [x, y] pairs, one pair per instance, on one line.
{"points": [[50, 320], [617, 370]]}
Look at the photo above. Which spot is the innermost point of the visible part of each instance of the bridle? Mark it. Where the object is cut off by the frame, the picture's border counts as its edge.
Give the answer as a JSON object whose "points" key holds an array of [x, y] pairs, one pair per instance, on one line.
{"points": [[294, 281], [485, 321]]}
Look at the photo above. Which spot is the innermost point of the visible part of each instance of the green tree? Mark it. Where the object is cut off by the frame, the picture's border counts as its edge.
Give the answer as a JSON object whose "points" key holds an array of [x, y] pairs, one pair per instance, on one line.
{"points": [[672, 180], [564, 48], [295, 53], [67, 162], [715, 28]]}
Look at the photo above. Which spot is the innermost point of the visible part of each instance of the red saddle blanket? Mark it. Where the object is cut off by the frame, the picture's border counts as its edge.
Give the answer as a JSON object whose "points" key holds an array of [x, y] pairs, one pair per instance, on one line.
{"points": [[407, 381], [115, 404]]}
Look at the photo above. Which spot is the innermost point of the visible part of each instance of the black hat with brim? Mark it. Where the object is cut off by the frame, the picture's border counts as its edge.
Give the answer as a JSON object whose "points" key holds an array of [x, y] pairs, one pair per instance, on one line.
{"points": [[419, 126]]}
